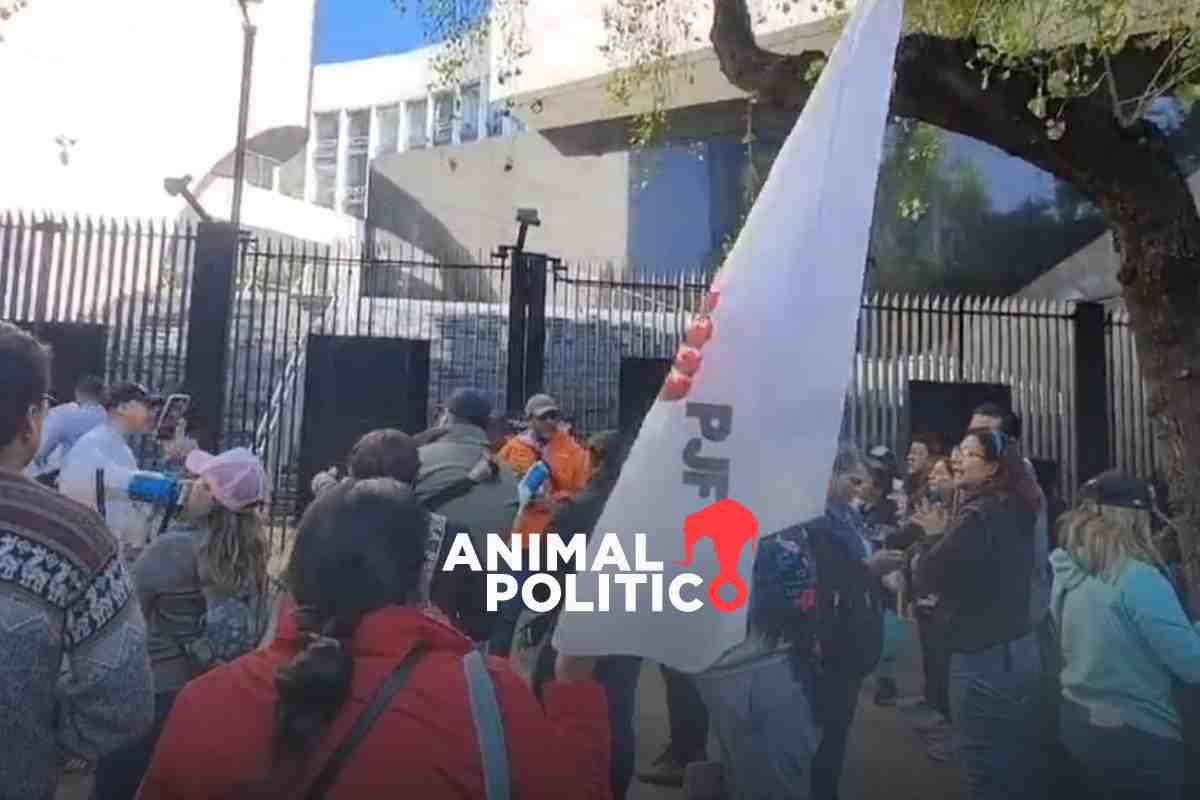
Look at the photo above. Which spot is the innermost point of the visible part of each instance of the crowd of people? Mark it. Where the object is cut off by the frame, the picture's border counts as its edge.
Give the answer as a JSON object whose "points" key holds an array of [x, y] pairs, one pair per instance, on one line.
{"points": [[143, 633]]}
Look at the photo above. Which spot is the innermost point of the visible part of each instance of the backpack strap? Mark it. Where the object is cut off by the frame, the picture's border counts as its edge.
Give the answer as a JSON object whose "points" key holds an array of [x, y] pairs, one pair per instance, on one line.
{"points": [[379, 702], [489, 727], [459, 488]]}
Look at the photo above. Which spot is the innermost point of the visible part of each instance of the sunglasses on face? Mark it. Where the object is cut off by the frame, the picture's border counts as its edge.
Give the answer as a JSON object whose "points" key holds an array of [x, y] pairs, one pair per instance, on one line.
{"points": [[550, 416]]}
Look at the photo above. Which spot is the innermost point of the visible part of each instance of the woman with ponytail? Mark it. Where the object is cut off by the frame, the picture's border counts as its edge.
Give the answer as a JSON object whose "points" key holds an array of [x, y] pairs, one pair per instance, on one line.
{"points": [[365, 694], [980, 571]]}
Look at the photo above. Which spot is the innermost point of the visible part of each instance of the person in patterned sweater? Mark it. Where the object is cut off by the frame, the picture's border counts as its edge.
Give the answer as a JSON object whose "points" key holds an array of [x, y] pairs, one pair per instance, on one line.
{"points": [[72, 638]]}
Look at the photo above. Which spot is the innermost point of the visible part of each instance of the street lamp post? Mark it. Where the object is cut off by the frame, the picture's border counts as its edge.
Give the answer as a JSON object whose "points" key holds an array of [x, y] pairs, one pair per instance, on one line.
{"points": [[249, 31]]}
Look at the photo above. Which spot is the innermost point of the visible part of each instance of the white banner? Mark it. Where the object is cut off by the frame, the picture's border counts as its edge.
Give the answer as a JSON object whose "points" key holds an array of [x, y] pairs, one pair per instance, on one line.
{"points": [[758, 419]]}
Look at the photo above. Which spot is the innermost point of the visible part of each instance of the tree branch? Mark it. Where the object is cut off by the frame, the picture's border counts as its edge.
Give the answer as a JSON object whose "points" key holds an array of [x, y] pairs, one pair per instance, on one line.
{"points": [[934, 85]]}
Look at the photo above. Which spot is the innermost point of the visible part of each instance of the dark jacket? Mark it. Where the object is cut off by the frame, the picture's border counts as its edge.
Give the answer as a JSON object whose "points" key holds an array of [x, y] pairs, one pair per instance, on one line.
{"points": [[980, 569]]}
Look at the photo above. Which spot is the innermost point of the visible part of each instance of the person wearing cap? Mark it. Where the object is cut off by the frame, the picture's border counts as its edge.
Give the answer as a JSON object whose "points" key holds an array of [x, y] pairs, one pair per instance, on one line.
{"points": [[202, 587], [132, 499], [1125, 640], [458, 477], [67, 423], [545, 441]]}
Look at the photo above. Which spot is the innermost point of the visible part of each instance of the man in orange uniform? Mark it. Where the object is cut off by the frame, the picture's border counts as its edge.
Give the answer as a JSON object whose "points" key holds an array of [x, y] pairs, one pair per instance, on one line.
{"points": [[570, 468]]}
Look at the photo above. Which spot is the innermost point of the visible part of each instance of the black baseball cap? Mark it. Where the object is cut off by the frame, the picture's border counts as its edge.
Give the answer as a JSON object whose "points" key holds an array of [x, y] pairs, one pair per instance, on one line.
{"points": [[1113, 488], [125, 392]]}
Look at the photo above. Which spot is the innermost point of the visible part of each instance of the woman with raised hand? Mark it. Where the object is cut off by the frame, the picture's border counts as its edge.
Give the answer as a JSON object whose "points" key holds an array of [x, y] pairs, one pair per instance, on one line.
{"points": [[980, 571], [362, 694]]}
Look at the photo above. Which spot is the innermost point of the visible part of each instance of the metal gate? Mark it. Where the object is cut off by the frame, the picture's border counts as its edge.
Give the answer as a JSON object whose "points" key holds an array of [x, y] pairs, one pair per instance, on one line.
{"points": [[357, 384]]}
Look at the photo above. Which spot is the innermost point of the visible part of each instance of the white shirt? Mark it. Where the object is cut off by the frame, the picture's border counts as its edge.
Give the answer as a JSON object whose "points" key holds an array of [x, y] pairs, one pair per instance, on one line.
{"points": [[64, 426], [105, 448]]}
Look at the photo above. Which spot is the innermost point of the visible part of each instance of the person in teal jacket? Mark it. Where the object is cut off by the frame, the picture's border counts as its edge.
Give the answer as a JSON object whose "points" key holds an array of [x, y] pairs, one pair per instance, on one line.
{"points": [[1126, 641]]}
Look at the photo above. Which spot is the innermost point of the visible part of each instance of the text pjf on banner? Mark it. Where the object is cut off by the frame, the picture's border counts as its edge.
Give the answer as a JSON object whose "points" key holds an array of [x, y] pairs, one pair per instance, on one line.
{"points": [[741, 440]]}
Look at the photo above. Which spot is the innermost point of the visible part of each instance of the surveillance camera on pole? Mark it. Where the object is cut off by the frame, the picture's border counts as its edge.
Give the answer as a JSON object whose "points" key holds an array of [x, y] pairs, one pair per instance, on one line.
{"points": [[178, 187]]}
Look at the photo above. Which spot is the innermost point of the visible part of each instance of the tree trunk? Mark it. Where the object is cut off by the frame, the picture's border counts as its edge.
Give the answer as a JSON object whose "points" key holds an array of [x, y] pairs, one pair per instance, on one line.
{"points": [[1126, 172], [1159, 261]]}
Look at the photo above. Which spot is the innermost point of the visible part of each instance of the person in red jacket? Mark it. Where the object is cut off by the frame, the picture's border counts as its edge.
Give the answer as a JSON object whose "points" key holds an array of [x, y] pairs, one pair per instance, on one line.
{"points": [[266, 725]]}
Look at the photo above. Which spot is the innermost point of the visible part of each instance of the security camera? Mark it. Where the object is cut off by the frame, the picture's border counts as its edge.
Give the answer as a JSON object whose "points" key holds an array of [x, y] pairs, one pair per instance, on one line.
{"points": [[528, 216], [177, 186]]}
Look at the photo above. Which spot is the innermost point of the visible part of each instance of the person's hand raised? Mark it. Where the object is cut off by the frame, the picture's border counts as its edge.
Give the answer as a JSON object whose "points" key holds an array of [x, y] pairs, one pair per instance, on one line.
{"points": [[931, 518]]}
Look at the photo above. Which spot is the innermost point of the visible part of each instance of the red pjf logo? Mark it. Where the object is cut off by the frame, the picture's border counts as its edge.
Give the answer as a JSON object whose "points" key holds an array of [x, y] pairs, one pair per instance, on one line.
{"points": [[731, 526]]}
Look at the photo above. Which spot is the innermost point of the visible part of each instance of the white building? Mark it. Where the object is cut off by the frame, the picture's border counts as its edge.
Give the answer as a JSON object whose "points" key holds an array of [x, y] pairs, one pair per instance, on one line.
{"points": [[115, 97]]}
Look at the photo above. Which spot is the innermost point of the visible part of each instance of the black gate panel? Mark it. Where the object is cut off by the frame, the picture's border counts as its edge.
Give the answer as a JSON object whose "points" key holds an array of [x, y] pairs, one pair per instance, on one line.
{"points": [[945, 408], [353, 385], [641, 380], [79, 349]]}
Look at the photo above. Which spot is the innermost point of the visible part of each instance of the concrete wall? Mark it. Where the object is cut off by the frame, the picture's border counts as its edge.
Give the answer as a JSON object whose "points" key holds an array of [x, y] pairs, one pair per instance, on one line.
{"points": [[460, 201]]}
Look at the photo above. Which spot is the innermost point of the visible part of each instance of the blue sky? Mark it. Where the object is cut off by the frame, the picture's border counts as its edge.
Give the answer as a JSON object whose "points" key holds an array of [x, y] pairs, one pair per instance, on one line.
{"points": [[350, 29]]}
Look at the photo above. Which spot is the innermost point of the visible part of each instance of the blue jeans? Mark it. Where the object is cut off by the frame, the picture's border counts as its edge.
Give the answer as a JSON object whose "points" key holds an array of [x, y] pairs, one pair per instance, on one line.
{"points": [[763, 719], [998, 708], [120, 773], [619, 677], [1121, 763], [835, 713]]}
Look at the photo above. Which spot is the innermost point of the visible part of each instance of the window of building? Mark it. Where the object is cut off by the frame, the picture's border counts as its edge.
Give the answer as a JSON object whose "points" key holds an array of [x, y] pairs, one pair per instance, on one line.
{"points": [[325, 160], [418, 110], [469, 127], [387, 120], [260, 171], [358, 157], [443, 118]]}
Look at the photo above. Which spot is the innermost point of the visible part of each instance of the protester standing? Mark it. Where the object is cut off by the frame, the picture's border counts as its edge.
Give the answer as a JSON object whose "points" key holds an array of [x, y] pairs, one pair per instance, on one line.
{"points": [[882, 512], [567, 472], [67, 423], [923, 451], [1125, 639], [979, 570], [850, 602], [202, 587], [486, 501], [932, 715], [65, 599], [131, 497], [352, 643], [993, 417]]}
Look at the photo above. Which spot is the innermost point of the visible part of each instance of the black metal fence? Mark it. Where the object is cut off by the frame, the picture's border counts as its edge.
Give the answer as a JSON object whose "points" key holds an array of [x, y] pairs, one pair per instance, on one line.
{"points": [[132, 281]]}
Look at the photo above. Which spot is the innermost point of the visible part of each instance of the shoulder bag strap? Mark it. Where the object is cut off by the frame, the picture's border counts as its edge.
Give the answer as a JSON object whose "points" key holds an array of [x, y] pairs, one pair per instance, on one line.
{"points": [[379, 702], [101, 505], [489, 727]]}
